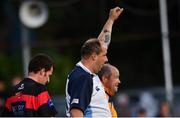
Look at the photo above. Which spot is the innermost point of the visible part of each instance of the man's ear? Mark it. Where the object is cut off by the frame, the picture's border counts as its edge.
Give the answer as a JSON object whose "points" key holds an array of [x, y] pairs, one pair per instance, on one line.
{"points": [[42, 71], [94, 56], [104, 79]]}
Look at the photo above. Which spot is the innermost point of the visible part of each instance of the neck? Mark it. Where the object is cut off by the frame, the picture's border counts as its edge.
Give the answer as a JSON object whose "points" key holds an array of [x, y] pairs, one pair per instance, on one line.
{"points": [[87, 64], [33, 77], [108, 92]]}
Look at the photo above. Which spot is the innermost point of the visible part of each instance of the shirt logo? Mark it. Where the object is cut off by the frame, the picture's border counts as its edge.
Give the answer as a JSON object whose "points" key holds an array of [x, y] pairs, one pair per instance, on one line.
{"points": [[75, 101], [50, 103], [97, 88], [21, 87], [18, 108]]}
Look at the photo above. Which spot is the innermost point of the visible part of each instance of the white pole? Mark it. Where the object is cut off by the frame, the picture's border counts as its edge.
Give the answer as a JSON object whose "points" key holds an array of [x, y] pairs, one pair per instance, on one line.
{"points": [[25, 49], [166, 52]]}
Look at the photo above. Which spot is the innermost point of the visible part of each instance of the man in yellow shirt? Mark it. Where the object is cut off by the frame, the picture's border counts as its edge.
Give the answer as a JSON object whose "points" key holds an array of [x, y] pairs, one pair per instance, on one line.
{"points": [[109, 76]]}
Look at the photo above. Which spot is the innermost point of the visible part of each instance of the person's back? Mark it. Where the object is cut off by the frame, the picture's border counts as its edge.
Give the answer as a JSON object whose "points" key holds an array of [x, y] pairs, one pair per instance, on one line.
{"points": [[28, 98], [88, 86]]}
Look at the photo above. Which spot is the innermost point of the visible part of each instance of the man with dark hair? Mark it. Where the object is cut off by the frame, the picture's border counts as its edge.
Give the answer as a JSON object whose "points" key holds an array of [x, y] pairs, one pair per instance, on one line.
{"points": [[30, 97], [109, 76], [83, 85], [85, 95]]}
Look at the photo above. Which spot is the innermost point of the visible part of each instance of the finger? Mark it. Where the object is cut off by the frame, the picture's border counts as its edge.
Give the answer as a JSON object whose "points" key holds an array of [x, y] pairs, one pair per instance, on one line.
{"points": [[119, 9]]}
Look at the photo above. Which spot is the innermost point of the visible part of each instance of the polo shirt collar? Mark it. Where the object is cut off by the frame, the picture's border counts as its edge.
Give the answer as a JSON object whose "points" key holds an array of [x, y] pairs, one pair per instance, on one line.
{"points": [[84, 68]]}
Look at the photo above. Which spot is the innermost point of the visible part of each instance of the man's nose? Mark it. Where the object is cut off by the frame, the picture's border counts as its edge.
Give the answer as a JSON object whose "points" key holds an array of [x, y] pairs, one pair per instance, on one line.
{"points": [[106, 60], [119, 82]]}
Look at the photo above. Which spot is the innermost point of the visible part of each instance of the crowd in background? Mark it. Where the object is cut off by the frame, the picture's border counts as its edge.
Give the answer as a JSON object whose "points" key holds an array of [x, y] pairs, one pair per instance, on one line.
{"points": [[144, 105]]}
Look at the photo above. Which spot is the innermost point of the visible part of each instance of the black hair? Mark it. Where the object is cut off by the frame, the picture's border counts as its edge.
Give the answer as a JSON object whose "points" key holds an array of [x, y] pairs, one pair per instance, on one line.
{"points": [[40, 61]]}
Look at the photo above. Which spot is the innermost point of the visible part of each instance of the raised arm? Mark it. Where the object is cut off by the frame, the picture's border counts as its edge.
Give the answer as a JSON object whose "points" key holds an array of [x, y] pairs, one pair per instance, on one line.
{"points": [[105, 35]]}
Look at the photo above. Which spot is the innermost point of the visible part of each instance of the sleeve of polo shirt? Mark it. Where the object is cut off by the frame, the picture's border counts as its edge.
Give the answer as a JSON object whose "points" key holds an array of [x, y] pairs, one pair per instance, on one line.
{"points": [[80, 92], [45, 105]]}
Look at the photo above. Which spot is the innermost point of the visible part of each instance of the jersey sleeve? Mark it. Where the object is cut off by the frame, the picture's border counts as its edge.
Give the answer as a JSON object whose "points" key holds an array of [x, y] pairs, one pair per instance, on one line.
{"points": [[45, 105], [80, 91]]}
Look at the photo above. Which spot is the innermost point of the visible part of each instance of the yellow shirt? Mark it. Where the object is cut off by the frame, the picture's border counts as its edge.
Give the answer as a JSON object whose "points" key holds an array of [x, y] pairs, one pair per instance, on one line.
{"points": [[111, 107], [113, 111]]}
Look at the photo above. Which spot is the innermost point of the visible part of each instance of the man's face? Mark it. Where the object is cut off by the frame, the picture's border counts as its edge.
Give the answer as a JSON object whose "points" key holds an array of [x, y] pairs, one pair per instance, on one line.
{"points": [[113, 81], [101, 59], [46, 77]]}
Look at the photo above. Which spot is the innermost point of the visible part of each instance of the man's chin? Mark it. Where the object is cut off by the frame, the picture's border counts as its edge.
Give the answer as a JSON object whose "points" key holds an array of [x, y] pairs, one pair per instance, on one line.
{"points": [[47, 83], [116, 90]]}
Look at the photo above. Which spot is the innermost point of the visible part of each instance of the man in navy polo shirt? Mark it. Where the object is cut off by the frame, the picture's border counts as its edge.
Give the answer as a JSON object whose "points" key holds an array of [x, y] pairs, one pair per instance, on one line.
{"points": [[85, 95]]}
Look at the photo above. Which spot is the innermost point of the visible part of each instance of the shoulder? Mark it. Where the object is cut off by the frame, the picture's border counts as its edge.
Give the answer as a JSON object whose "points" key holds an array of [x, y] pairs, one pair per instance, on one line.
{"points": [[78, 74], [29, 87], [78, 77]]}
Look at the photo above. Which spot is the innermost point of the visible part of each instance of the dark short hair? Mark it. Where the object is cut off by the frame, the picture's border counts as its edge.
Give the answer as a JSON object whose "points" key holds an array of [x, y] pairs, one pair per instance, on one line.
{"points": [[105, 71], [39, 62], [91, 46]]}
